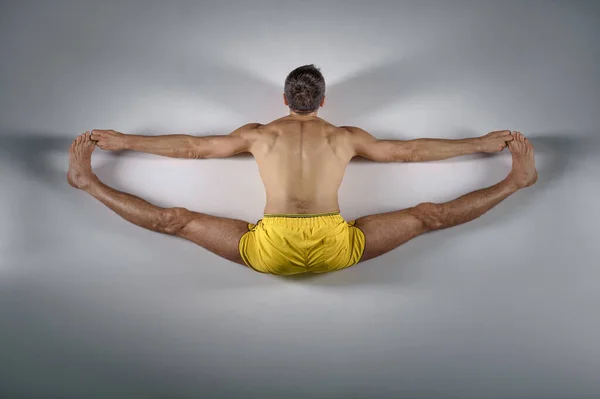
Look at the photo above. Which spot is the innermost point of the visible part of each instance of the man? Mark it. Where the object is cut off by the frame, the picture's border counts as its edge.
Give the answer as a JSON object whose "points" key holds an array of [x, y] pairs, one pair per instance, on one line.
{"points": [[301, 160]]}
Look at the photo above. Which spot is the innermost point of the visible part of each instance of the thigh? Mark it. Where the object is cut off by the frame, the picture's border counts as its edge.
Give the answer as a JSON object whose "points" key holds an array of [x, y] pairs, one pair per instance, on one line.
{"points": [[386, 231], [219, 235]]}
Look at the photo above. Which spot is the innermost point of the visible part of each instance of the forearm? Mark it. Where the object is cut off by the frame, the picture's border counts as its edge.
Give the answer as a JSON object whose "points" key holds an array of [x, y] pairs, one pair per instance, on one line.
{"points": [[175, 145], [420, 150]]}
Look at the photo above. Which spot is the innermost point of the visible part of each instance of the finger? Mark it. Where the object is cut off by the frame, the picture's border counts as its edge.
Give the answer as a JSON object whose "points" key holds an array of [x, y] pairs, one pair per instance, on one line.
{"points": [[98, 134]]}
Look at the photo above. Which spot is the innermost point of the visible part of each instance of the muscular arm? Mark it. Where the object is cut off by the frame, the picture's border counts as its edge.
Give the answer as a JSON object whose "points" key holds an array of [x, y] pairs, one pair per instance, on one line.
{"points": [[178, 145], [419, 150]]}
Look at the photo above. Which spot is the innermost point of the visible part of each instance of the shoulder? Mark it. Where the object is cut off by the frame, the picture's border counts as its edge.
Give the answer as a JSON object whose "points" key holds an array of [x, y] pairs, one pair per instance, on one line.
{"points": [[350, 129], [356, 134], [248, 131], [247, 128]]}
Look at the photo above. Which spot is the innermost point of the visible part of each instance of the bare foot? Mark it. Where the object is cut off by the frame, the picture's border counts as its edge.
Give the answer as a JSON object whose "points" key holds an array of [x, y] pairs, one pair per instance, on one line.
{"points": [[80, 161], [523, 172]]}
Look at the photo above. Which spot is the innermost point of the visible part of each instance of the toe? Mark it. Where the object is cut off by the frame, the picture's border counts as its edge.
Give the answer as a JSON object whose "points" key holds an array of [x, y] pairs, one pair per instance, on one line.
{"points": [[87, 141], [529, 144]]}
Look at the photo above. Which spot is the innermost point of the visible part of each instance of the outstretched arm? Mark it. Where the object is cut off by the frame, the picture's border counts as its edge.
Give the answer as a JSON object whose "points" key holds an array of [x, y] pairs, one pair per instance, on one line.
{"points": [[179, 145], [419, 150]]}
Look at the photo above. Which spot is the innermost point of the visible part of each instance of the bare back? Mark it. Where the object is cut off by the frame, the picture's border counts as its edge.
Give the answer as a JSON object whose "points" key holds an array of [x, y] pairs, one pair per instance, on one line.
{"points": [[301, 163]]}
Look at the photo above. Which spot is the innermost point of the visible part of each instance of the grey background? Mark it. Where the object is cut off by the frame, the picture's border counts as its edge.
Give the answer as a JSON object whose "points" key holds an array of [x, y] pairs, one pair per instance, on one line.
{"points": [[503, 307]]}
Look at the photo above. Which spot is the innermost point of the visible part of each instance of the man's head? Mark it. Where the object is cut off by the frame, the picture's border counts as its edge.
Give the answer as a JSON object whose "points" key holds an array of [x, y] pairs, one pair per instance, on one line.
{"points": [[304, 90]]}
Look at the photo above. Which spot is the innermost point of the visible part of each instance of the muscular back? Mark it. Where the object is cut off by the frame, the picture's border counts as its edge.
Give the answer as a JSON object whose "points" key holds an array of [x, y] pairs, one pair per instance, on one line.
{"points": [[301, 163]]}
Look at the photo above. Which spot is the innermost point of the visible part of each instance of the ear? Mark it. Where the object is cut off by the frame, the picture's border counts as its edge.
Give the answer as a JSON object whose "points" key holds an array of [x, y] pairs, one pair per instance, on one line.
{"points": [[285, 101], [323, 101]]}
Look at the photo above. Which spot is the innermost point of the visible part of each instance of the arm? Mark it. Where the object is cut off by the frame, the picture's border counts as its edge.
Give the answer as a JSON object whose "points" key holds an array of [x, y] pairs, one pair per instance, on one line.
{"points": [[179, 145], [420, 150]]}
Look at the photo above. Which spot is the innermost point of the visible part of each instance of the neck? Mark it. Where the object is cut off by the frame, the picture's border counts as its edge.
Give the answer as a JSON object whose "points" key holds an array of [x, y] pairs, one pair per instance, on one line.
{"points": [[311, 115]]}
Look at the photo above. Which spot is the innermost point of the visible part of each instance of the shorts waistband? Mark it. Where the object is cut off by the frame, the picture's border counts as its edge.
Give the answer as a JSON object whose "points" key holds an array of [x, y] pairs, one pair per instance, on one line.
{"points": [[304, 219], [299, 215]]}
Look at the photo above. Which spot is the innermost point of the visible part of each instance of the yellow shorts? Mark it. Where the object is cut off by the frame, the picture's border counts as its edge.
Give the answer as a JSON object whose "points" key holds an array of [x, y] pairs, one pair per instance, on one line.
{"points": [[292, 244]]}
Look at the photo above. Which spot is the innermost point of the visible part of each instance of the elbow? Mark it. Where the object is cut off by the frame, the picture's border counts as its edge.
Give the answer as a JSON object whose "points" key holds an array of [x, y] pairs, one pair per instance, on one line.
{"points": [[399, 151], [193, 154], [411, 156], [410, 153], [197, 153], [195, 148]]}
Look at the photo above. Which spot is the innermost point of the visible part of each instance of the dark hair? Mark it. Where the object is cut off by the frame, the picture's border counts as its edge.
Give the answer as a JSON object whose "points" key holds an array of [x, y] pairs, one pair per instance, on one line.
{"points": [[305, 89]]}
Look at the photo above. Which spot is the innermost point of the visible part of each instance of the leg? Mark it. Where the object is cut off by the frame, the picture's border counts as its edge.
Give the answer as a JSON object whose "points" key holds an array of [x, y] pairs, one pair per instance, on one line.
{"points": [[219, 235], [386, 231]]}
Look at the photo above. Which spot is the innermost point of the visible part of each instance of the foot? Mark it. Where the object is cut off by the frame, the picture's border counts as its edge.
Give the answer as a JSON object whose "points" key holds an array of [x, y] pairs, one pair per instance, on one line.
{"points": [[80, 162], [523, 172]]}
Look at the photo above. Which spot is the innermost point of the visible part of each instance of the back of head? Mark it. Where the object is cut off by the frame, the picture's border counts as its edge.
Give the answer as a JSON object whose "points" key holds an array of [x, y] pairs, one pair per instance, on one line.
{"points": [[305, 89]]}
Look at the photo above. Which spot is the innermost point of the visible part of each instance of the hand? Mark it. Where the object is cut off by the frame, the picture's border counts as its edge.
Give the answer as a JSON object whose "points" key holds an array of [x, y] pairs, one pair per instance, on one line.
{"points": [[109, 140], [495, 141]]}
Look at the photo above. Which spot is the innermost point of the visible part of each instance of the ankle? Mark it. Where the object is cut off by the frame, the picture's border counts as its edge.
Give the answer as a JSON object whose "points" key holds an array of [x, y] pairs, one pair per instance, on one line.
{"points": [[511, 183], [89, 184]]}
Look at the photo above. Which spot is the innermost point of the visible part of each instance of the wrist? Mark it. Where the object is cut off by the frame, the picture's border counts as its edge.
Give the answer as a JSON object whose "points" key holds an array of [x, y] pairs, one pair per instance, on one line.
{"points": [[476, 144], [126, 141]]}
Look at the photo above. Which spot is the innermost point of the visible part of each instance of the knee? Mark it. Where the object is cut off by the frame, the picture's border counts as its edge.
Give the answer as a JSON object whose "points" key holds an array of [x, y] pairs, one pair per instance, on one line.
{"points": [[431, 215], [172, 220]]}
